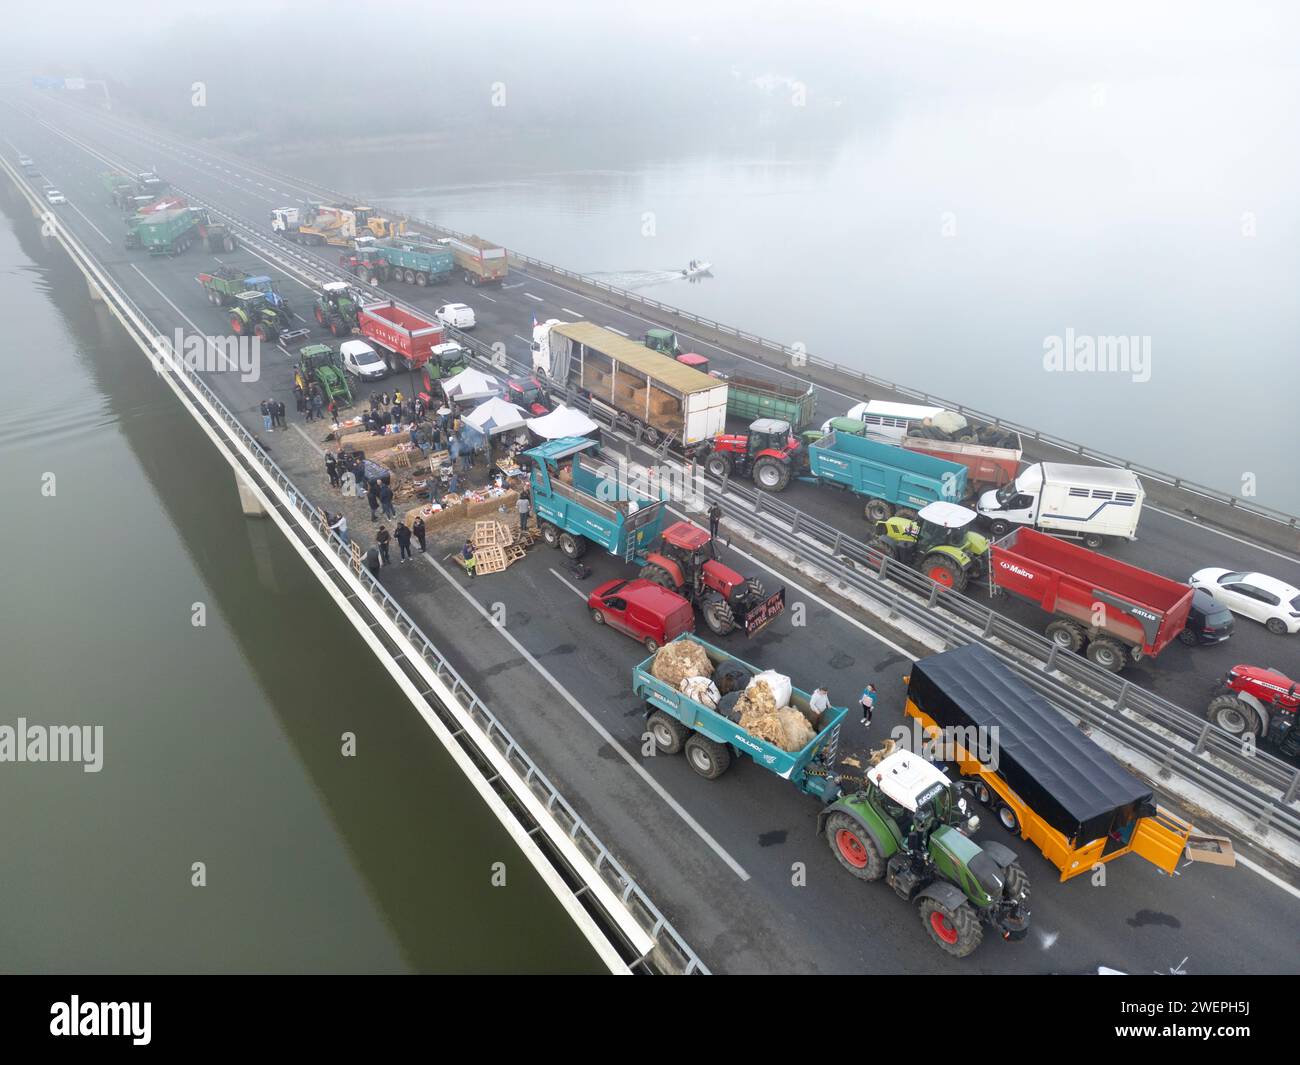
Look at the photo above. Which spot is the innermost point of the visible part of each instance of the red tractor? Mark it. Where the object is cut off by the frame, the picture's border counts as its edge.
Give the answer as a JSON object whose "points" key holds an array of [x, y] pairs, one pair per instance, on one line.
{"points": [[526, 391], [685, 563], [769, 453], [1263, 702]]}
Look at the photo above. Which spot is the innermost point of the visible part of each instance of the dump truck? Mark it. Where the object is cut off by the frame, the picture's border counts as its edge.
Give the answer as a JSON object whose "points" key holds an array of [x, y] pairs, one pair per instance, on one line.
{"points": [[481, 262], [890, 478], [633, 386], [1109, 610], [165, 232], [402, 338], [416, 264], [1042, 778], [322, 364], [750, 398]]}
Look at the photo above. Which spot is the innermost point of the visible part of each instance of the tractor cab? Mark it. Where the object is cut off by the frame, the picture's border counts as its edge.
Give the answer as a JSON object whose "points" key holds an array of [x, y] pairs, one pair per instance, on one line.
{"points": [[917, 791], [663, 341], [252, 302], [770, 434], [938, 539], [268, 287], [693, 360], [527, 392]]}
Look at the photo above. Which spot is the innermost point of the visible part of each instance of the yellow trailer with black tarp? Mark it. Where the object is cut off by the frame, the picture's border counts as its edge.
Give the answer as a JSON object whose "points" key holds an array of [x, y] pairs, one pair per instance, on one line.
{"points": [[1045, 780]]}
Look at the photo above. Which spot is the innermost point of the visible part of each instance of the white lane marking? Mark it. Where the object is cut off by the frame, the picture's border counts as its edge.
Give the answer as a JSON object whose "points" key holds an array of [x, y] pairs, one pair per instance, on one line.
{"points": [[575, 590], [89, 222], [532, 297], [1225, 535], [518, 337], [1272, 878], [299, 316], [567, 310], [599, 729], [488, 298], [618, 331]]}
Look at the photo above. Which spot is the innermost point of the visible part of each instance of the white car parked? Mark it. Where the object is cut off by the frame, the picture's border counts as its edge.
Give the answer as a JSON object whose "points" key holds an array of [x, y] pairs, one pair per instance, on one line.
{"points": [[361, 361], [54, 196], [456, 315], [1253, 595]]}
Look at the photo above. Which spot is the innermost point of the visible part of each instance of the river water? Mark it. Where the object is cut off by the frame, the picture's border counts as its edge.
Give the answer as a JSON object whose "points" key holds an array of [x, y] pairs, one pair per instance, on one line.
{"points": [[950, 245], [222, 742]]}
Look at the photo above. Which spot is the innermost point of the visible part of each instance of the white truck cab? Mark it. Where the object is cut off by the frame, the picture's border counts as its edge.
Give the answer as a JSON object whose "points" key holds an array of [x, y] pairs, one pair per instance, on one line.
{"points": [[542, 346], [1089, 503]]}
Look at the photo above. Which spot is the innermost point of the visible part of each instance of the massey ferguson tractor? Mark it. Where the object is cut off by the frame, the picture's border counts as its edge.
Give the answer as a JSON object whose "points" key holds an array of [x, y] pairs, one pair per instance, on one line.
{"points": [[769, 453], [1262, 702], [685, 562]]}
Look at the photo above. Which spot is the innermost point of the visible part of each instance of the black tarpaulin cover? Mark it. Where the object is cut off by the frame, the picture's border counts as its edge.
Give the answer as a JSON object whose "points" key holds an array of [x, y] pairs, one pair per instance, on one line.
{"points": [[1068, 780]]}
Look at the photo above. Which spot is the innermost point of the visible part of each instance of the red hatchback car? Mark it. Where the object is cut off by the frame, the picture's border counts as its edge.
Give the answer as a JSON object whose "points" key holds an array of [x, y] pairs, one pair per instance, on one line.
{"points": [[648, 613]]}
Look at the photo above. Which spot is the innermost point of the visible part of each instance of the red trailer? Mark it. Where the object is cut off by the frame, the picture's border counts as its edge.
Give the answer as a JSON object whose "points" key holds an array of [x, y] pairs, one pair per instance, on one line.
{"points": [[987, 466], [404, 339], [1116, 611]]}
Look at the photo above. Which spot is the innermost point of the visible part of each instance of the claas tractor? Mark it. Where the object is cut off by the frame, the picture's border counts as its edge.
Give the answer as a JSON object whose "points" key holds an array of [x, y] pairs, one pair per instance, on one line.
{"points": [[908, 825], [1260, 702], [254, 315], [322, 364], [769, 453], [685, 562], [938, 540], [336, 308]]}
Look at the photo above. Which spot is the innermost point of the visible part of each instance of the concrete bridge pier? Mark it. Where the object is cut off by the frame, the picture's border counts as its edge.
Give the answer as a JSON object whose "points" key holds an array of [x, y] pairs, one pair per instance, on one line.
{"points": [[248, 501]]}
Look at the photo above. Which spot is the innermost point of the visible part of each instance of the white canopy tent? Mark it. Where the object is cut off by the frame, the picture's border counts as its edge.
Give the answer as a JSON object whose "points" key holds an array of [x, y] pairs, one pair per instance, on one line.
{"points": [[561, 422], [469, 383], [495, 416]]}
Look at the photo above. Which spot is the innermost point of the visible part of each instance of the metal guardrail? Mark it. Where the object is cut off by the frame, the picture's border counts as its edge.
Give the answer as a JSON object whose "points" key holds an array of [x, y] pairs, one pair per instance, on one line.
{"points": [[929, 606], [675, 952]]}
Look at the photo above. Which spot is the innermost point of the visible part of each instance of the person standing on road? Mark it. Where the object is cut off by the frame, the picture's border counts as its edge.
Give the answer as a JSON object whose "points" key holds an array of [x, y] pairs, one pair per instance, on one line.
{"points": [[467, 558], [266, 416], [524, 506], [386, 499], [340, 526], [332, 468], [382, 539], [372, 561], [279, 414], [334, 410], [372, 497], [403, 535], [715, 521], [868, 703], [418, 529]]}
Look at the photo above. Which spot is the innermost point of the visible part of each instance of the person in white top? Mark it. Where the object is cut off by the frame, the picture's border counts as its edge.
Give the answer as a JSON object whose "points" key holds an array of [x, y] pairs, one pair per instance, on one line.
{"points": [[819, 702]]}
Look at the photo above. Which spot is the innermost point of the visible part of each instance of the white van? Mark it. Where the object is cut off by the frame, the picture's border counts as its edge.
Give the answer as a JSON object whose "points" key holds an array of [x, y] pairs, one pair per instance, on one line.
{"points": [[888, 421], [1089, 503], [456, 315]]}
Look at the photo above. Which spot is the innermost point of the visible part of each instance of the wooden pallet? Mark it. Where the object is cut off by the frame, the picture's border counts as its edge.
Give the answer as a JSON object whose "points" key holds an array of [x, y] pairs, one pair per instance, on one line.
{"points": [[491, 534], [490, 559]]}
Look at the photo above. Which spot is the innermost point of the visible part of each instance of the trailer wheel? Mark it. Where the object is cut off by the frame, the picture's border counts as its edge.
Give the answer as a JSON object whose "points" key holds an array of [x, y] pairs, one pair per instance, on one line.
{"points": [[983, 793], [650, 434], [771, 475], [906, 512], [421, 278], [573, 546], [853, 846], [1007, 819], [878, 510], [944, 571], [707, 758], [956, 932], [1108, 654], [550, 534], [1093, 540], [669, 734], [1066, 635], [1232, 715]]}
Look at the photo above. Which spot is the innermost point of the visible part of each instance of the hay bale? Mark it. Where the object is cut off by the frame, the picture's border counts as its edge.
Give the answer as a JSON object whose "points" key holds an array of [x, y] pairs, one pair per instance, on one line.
{"points": [[764, 725], [798, 733], [676, 661]]}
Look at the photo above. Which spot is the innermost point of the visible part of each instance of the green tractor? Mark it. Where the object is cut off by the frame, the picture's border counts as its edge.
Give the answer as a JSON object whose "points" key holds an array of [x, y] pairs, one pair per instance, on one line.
{"points": [[336, 308], [253, 314], [322, 364], [937, 540], [664, 341], [908, 826]]}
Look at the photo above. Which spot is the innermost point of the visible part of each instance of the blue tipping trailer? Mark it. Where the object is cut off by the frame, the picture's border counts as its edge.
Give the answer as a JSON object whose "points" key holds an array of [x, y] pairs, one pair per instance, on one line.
{"points": [[416, 264], [580, 498], [890, 477], [677, 722]]}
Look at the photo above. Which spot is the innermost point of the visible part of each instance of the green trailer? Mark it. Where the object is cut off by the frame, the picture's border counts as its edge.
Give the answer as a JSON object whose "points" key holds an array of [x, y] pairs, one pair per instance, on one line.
{"points": [[223, 286], [165, 232], [750, 398]]}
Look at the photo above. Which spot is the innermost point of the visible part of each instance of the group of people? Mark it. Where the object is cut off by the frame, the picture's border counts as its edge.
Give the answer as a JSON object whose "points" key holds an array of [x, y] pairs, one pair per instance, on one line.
{"points": [[272, 415], [820, 700], [310, 403]]}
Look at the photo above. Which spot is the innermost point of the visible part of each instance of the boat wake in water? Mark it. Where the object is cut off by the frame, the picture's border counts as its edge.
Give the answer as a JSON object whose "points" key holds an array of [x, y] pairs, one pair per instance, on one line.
{"points": [[637, 279]]}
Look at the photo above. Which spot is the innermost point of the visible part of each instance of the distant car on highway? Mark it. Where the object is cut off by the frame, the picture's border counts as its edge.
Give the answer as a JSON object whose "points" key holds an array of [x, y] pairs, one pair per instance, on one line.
{"points": [[54, 196], [1253, 595], [26, 161], [361, 361], [456, 315]]}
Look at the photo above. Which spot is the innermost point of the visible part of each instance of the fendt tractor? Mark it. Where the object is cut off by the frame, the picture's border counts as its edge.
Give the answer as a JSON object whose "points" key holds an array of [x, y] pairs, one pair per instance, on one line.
{"points": [[769, 453], [336, 308], [322, 364], [685, 561], [940, 542]]}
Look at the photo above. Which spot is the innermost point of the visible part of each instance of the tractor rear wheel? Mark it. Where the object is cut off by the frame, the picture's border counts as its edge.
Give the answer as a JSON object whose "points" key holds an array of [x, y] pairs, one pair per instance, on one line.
{"points": [[718, 465], [718, 616], [944, 571], [956, 932], [320, 316], [1066, 635], [550, 534], [1232, 715], [237, 326], [853, 846], [572, 545], [657, 575], [878, 510], [1108, 654], [260, 331], [771, 475], [669, 734], [707, 758]]}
